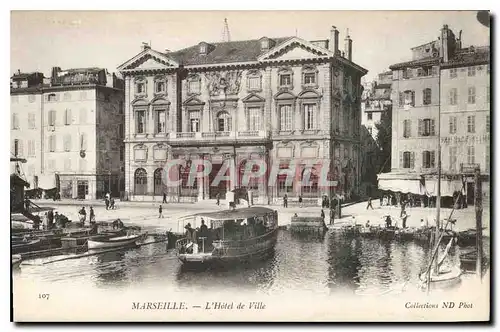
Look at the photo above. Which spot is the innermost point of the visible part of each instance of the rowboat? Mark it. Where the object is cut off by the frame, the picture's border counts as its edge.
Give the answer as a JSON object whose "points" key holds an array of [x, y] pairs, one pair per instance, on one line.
{"points": [[24, 246], [113, 242], [235, 236], [16, 261]]}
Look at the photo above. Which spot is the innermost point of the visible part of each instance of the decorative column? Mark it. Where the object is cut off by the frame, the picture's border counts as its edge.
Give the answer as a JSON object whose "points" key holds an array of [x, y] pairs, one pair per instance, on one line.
{"points": [[232, 172], [150, 121], [185, 120]]}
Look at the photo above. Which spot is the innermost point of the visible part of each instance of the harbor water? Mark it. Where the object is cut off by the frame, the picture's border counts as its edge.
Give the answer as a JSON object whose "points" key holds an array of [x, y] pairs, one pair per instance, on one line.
{"points": [[326, 264]]}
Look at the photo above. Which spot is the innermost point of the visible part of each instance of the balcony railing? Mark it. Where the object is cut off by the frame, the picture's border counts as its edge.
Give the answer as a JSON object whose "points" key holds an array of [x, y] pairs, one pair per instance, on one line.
{"points": [[219, 135]]}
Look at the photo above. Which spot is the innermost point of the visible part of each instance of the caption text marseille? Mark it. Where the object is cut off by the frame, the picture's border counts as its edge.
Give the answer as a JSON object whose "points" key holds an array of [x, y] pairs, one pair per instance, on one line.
{"points": [[206, 306]]}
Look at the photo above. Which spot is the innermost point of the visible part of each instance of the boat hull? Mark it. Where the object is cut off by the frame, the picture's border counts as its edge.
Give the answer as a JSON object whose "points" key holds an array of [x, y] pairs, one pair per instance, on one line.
{"points": [[113, 242], [25, 247], [234, 252], [445, 280]]}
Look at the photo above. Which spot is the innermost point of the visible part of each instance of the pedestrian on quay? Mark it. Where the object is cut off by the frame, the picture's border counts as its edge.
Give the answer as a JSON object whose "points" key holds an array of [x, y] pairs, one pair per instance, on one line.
{"points": [[300, 200], [217, 197], [404, 217], [322, 215], [112, 204], [164, 198], [332, 216], [160, 211], [106, 201], [381, 198], [403, 207], [83, 215], [91, 216], [369, 205], [285, 201]]}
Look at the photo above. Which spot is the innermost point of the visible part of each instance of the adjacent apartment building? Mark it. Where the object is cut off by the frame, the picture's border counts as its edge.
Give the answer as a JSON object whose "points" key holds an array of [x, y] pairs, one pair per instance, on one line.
{"points": [[70, 128], [281, 100], [441, 97]]}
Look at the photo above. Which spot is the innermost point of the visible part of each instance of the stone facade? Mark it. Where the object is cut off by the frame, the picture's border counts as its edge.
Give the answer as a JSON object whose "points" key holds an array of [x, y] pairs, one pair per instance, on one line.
{"points": [[77, 137], [281, 101]]}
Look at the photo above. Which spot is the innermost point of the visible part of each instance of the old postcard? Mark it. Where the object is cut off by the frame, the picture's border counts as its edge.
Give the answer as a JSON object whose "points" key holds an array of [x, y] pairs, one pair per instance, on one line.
{"points": [[313, 166]]}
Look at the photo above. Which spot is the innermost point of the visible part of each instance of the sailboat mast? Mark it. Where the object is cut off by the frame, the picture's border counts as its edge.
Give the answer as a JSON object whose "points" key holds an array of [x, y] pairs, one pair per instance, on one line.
{"points": [[438, 196]]}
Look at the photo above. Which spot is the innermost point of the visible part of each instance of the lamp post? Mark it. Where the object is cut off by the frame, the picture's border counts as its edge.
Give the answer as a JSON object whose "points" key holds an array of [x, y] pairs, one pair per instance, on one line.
{"points": [[109, 182]]}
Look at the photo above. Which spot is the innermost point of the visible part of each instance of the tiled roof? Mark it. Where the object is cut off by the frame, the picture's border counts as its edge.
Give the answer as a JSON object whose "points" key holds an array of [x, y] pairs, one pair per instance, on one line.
{"points": [[415, 63], [227, 52], [464, 58]]}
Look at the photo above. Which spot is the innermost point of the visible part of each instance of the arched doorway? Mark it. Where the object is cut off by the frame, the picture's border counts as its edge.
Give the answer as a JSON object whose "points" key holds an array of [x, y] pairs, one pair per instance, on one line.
{"points": [[158, 183], [140, 181]]}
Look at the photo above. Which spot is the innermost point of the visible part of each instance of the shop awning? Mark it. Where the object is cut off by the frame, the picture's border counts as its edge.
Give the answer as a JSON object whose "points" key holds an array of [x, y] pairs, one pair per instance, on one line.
{"points": [[401, 182], [448, 187], [47, 182]]}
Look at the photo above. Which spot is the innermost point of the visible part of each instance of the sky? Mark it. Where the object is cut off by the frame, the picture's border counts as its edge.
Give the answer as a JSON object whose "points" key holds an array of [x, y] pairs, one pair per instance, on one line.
{"points": [[41, 40]]}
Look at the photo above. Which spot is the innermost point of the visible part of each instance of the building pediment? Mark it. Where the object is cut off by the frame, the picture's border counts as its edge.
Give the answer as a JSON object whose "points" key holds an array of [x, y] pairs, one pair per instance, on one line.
{"points": [[148, 60], [139, 102], [284, 96], [309, 94], [253, 98], [160, 101], [193, 101], [296, 49]]}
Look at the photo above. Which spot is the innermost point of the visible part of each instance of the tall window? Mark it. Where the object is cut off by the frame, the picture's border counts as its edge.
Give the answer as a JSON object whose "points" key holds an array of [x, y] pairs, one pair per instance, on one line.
{"points": [[160, 87], [428, 159], [52, 118], [120, 107], [16, 148], [140, 181], [160, 121], [408, 159], [158, 183], [453, 72], [254, 118], [427, 93], [52, 143], [407, 98], [471, 98], [471, 124], [453, 96], [31, 120], [83, 116], [15, 121], [140, 88], [67, 117], [453, 157], [310, 116], [31, 148], [285, 79], [426, 127], [453, 124], [471, 154], [83, 141], [310, 78], [224, 122], [487, 123], [285, 117], [140, 122], [406, 128], [471, 71], [194, 121], [67, 142]]}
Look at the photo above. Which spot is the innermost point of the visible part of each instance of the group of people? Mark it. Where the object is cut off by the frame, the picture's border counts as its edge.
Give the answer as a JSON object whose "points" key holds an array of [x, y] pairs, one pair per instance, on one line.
{"points": [[51, 220], [83, 215], [110, 202]]}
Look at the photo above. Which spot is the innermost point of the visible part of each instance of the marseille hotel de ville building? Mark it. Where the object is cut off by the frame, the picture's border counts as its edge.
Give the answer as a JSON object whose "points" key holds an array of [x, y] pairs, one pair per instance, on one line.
{"points": [[280, 100]]}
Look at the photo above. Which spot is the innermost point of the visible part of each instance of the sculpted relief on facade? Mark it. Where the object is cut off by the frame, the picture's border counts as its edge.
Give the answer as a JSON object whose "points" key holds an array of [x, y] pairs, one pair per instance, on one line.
{"points": [[224, 83]]}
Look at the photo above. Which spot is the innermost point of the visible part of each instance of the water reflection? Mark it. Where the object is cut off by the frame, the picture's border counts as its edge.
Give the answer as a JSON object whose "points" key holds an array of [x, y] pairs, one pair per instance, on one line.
{"points": [[326, 264]]}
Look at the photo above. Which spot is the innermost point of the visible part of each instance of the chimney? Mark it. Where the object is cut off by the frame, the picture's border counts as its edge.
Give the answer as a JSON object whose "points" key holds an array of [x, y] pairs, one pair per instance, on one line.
{"points": [[334, 40], [55, 74], [459, 41], [348, 46], [19, 71], [444, 43], [145, 46], [167, 51]]}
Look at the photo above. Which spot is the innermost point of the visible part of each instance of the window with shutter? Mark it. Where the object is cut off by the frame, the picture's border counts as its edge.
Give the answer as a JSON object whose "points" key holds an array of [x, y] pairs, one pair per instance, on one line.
{"points": [[432, 159], [20, 149], [52, 118], [413, 98], [67, 117], [31, 120], [425, 159], [420, 127], [401, 99], [412, 160], [433, 127], [427, 96], [83, 141], [401, 159], [435, 70]]}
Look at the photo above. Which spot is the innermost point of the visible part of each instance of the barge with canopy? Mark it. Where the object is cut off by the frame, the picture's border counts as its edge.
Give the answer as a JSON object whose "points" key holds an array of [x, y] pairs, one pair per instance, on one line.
{"points": [[230, 236]]}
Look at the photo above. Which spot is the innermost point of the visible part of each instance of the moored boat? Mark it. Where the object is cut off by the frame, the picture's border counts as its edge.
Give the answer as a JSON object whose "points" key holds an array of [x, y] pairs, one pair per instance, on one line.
{"points": [[234, 236], [16, 261], [113, 242], [25, 245], [446, 277]]}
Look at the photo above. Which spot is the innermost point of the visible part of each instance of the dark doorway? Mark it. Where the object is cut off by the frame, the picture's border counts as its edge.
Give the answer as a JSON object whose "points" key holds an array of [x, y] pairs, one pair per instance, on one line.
{"points": [[221, 186], [83, 189]]}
